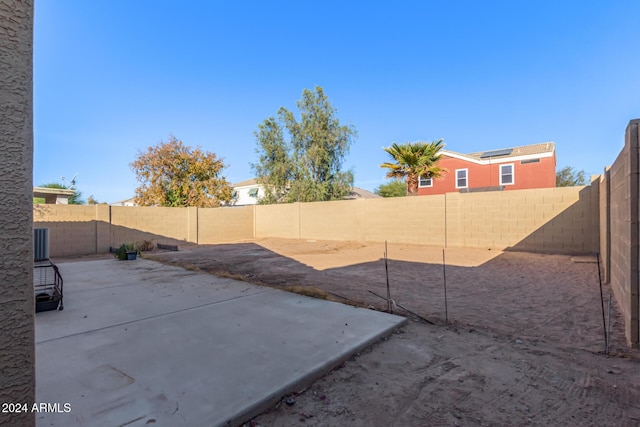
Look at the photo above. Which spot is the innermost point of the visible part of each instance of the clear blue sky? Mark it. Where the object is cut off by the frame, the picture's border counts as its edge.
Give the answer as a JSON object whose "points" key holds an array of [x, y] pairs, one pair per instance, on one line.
{"points": [[112, 77]]}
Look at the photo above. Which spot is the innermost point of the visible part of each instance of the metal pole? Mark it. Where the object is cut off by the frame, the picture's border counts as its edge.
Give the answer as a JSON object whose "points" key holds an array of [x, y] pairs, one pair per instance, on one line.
{"points": [[405, 309], [609, 326], [604, 323], [444, 279], [386, 269]]}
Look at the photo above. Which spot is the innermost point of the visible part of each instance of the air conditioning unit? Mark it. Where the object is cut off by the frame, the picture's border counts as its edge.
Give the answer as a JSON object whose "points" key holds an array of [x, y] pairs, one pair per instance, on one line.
{"points": [[40, 244]]}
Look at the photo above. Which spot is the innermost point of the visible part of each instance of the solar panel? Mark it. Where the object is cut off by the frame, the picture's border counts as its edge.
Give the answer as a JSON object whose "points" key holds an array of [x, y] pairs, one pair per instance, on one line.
{"points": [[496, 153]]}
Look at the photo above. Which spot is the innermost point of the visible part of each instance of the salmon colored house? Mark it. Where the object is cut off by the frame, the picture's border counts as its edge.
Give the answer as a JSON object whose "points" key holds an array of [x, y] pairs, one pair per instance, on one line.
{"points": [[517, 168]]}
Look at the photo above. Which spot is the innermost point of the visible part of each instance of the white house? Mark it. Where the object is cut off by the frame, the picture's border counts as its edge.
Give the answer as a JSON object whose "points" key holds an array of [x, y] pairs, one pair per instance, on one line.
{"points": [[247, 192], [126, 202], [54, 196]]}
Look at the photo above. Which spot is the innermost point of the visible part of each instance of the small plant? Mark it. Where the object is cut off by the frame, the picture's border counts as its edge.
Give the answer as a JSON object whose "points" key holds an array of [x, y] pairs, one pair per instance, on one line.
{"points": [[124, 250], [144, 246]]}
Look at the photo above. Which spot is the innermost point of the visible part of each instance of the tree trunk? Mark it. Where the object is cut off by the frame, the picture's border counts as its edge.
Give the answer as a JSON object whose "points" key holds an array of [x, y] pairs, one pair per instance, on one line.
{"points": [[412, 185]]}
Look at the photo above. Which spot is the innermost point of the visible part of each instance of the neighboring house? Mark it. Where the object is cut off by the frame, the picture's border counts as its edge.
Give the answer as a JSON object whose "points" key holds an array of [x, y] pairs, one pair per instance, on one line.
{"points": [[359, 193], [249, 192], [126, 202], [53, 196], [517, 168]]}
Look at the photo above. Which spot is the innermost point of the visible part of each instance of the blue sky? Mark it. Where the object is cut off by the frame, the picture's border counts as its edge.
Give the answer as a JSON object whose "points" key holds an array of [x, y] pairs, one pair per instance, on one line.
{"points": [[112, 77]]}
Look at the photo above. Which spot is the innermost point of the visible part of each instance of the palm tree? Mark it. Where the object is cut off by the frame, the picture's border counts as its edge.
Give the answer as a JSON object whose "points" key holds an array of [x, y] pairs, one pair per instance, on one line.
{"points": [[414, 160]]}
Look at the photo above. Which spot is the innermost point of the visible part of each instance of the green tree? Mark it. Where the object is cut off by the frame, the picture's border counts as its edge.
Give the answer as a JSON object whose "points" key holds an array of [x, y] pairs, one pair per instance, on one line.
{"points": [[412, 161], [301, 160], [75, 199], [172, 174], [569, 177], [395, 188]]}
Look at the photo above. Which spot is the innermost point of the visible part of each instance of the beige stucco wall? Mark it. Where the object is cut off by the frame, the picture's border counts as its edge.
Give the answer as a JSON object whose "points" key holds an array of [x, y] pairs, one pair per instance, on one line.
{"points": [[17, 345], [624, 214]]}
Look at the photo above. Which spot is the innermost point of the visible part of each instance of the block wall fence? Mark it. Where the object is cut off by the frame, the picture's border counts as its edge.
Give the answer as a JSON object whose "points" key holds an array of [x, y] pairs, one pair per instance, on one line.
{"points": [[602, 217], [554, 220], [620, 237]]}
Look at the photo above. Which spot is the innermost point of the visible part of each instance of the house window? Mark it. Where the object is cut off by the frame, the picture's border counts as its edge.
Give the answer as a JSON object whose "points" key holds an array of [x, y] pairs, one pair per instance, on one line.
{"points": [[528, 161], [425, 182], [506, 174], [253, 192], [461, 178]]}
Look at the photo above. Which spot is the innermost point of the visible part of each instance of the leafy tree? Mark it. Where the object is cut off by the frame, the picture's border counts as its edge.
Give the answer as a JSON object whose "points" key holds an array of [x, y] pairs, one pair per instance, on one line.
{"points": [[301, 160], [172, 174], [569, 177], [74, 199], [92, 201], [395, 188], [414, 160]]}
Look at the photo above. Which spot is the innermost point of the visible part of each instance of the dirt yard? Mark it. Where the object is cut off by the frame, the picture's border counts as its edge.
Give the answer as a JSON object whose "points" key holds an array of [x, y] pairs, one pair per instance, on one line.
{"points": [[524, 341]]}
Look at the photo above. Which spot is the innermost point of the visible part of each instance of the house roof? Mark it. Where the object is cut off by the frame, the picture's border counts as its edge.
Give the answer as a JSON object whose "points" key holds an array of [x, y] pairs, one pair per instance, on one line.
{"points": [[245, 183], [361, 193], [544, 149], [123, 202], [46, 191]]}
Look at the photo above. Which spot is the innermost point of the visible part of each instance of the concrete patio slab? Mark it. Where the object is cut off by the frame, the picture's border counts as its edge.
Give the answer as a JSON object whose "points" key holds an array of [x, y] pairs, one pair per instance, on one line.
{"points": [[141, 343]]}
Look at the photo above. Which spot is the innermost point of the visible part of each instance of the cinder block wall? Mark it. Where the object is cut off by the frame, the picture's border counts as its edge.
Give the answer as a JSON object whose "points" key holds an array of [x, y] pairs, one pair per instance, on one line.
{"points": [[134, 224], [605, 225], [340, 220], [552, 220], [72, 229], [419, 220], [278, 221], [217, 225], [624, 233]]}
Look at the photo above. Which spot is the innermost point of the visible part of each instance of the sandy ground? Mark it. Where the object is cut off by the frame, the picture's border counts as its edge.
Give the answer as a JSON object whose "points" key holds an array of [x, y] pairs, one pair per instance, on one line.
{"points": [[520, 341]]}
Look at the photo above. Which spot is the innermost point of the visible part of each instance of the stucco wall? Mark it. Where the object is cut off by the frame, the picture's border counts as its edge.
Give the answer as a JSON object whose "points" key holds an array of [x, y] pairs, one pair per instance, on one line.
{"points": [[17, 346], [624, 220]]}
